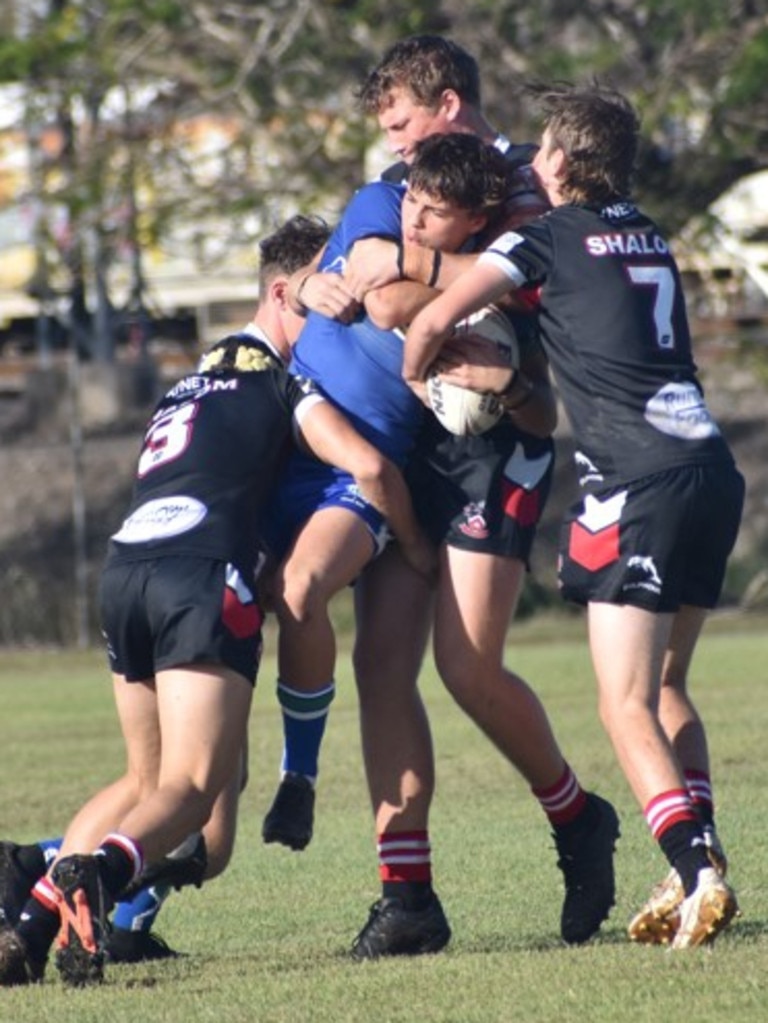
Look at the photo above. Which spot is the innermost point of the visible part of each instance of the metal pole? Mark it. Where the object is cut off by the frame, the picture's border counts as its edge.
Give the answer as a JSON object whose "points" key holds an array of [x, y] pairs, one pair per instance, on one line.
{"points": [[78, 496]]}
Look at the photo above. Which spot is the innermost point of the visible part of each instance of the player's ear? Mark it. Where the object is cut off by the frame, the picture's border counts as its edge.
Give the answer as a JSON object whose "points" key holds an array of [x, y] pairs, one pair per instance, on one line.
{"points": [[278, 292], [450, 104], [477, 222], [559, 161]]}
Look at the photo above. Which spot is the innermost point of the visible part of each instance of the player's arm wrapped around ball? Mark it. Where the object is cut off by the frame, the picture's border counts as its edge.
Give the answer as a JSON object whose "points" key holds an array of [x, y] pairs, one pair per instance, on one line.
{"points": [[476, 381]]}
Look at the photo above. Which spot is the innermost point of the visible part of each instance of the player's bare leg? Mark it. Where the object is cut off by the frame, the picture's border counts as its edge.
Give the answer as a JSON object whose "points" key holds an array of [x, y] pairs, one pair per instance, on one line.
{"points": [[658, 919], [477, 597], [628, 646], [328, 554], [393, 607]]}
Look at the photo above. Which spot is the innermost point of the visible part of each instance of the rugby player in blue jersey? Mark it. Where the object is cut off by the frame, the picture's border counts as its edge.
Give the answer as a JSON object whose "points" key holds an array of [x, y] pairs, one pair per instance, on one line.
{"points": [[331, 531], [430, 82]]}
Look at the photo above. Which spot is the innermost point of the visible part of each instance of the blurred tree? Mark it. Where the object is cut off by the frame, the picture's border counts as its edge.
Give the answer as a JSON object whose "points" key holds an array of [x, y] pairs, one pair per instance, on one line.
{"points": [[197, 125], [695, 68]]}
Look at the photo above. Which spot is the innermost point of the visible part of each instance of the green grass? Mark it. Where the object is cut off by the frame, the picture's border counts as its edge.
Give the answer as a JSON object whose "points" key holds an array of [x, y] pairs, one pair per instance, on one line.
{"points": [[267, 941]]}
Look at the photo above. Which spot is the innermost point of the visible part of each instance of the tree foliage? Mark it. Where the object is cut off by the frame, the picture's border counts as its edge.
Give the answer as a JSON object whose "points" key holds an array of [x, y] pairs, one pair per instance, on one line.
{"points": [[133, 85]]}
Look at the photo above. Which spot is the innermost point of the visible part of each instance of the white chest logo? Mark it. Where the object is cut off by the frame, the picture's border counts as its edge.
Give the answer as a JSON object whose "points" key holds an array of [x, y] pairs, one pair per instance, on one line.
{"points": [[679, 410], [161, 518]]}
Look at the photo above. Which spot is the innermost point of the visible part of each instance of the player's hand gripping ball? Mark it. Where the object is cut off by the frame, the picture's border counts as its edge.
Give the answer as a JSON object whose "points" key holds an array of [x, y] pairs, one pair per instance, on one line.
{"points": [[460, 410]]}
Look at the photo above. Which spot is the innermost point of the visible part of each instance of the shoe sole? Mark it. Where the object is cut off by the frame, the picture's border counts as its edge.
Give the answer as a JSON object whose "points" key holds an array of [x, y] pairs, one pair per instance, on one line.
{"points": [[78, 967], [16, 969], [79, 960], [7, 868], [430, 946], [289, 841], [719, 909], [649, 928]]}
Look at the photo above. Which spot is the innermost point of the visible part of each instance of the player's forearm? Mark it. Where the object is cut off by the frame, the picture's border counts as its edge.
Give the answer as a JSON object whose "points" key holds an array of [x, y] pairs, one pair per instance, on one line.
{"points": [[396, 304], [387, 491], [433, 325], [531, 405], [297, 283], [437, 270]]}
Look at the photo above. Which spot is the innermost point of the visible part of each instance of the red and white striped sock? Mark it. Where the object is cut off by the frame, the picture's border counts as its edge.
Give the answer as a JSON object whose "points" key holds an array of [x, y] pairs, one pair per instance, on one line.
{"points": [[699, 787], [122, 861], [667, 809], [563, 801], [404, 856]]}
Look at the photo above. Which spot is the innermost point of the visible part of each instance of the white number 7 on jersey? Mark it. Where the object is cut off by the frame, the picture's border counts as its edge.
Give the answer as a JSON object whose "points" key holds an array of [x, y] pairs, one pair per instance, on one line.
{"points": [[662, 280]]}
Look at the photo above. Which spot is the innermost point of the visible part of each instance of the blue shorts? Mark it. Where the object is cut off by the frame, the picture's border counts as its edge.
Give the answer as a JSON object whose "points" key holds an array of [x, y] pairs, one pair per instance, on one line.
{"points": [[307, 486]]}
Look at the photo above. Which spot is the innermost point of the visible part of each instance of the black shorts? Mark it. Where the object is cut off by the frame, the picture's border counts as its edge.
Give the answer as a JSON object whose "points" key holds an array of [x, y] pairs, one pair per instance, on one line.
{"points": [[483, 494], [656, 543], [173, 611]]}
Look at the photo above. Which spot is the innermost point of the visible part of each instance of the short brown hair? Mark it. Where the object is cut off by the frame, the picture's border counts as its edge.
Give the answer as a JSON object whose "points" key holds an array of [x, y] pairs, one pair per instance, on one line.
{"points": [[291, 246], [464, 170], [424, 65], [597, 129]]}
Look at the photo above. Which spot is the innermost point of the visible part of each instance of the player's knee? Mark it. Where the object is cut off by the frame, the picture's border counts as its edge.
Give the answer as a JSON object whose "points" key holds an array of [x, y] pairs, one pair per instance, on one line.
{"points": [[459, 668], [301, 597], [219, 846], [386, 671]]}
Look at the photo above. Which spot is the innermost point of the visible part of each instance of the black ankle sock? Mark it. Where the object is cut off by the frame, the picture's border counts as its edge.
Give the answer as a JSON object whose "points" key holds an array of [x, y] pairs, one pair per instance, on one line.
{"points": [[683, 845], [116, 867], [705, 815], [413, 894], [38, 928]]}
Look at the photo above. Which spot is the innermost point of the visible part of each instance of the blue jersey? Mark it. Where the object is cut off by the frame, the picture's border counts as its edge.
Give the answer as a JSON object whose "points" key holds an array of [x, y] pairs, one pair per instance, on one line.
{"points": [[358, 366]]}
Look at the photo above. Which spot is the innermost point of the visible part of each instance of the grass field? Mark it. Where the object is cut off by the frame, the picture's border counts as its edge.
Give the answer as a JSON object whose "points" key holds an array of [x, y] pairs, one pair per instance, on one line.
{"points": [[266, 942]]}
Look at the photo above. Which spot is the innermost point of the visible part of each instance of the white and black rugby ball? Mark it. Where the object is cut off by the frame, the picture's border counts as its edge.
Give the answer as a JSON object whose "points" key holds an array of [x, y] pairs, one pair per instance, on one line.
{"points": [[464, 412]]}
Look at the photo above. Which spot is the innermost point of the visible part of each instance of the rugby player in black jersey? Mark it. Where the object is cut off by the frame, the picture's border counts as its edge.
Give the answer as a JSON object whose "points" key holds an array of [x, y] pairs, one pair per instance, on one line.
{"points": [[182, 622], [131, 938], [646, 546]]}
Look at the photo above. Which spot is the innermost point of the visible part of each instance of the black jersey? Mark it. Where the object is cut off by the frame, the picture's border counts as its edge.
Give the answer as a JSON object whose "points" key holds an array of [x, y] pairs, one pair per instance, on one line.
{"points": [[614, 326], [210, 457], [518, 154]]}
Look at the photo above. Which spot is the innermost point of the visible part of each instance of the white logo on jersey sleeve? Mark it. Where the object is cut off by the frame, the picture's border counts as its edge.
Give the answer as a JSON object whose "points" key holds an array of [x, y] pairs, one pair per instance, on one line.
{"points": [[506, 242], [160, 519], [679, 410]]}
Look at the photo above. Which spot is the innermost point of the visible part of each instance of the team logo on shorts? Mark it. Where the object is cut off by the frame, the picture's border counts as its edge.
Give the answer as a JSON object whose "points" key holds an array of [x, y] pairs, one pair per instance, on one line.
{"points": [[474, 524], [520, 494], [642, 574]]}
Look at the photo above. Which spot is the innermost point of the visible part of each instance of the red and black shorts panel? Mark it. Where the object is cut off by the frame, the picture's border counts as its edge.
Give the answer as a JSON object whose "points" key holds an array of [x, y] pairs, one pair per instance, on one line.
{"points": [[656, 543], [483, 494], [173, 611]]}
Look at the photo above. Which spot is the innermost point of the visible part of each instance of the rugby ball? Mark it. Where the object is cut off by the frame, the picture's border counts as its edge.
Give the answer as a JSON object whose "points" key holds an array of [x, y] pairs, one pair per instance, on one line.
{"points": [[464, 412]]}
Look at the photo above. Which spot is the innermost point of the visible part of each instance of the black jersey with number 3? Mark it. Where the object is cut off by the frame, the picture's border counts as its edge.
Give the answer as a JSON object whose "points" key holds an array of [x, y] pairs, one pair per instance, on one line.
{"points": [[209, 460], [614, 326]]}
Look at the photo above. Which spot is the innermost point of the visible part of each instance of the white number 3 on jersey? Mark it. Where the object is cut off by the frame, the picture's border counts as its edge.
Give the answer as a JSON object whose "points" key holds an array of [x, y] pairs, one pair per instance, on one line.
{"points": [[167, 438]]}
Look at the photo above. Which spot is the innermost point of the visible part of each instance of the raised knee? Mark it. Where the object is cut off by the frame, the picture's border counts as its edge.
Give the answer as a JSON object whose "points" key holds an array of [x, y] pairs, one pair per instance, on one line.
{"points": [[298, 597]]}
